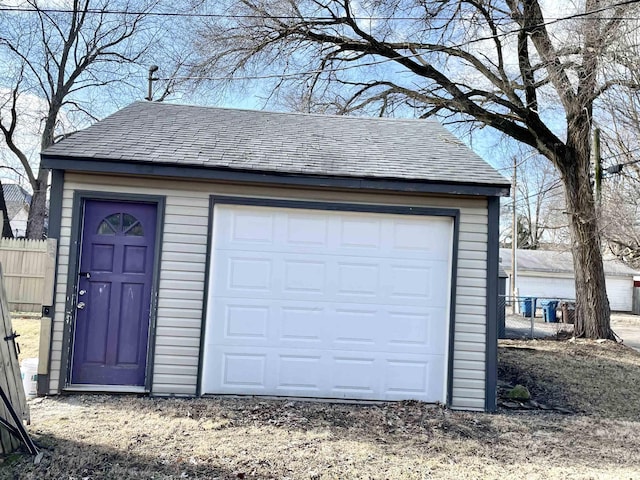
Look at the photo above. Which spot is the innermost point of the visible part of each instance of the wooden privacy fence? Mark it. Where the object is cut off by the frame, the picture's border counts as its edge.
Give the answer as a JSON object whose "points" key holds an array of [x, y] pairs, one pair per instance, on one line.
{"points": [[29, 267]]}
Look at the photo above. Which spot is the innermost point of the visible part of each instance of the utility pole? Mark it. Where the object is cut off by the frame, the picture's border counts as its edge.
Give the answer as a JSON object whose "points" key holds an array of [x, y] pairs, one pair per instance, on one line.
{"points": [[514, 238], [597, 158]]}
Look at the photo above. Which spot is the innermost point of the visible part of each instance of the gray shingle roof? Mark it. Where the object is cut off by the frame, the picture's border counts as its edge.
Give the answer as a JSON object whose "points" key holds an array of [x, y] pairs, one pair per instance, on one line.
{"points": [[292, 143], [557, 262], [16, 198]]}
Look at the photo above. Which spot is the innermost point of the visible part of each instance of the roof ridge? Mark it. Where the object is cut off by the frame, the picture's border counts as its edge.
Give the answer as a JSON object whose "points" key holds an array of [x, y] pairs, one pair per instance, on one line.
{"points": [[289, 113]]}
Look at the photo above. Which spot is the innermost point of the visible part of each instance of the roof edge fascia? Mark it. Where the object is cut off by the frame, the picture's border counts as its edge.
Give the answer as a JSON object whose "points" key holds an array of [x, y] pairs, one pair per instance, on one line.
{"points": [[535, 272], [125, 167]]}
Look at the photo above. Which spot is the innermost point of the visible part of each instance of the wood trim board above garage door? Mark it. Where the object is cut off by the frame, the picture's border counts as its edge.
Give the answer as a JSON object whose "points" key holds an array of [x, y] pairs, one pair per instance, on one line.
{"points": [[329, 300]]}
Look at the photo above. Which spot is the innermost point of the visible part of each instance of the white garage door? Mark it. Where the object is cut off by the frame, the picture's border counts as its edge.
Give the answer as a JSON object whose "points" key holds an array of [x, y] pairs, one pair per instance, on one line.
{"points": [[332, 304], [620, 293]]}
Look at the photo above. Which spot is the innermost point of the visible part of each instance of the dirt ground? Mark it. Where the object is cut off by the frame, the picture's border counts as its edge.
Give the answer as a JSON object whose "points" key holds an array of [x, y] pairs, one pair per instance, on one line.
{"points": [[128, 437]]}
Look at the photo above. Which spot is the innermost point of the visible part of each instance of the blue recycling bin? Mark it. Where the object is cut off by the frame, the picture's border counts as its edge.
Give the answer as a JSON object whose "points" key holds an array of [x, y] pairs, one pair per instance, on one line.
{"points": [[549, 310], [528, 306]]}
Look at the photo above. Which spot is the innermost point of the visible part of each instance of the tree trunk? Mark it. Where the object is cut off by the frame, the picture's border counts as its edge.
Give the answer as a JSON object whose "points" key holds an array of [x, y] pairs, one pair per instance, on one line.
{"points": [[38, 208], [592, 305]]}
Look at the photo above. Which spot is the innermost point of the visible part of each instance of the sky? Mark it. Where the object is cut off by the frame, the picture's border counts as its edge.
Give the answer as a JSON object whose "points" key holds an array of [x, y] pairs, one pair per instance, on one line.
{"points": [[486, 142]]}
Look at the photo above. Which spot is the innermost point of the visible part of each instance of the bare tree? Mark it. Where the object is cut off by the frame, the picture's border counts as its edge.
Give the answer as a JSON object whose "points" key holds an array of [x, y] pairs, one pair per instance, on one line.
{"points": [[620, 209], [620, 125], [498, 63], [540, 203], [64, 56], [621, 218]]}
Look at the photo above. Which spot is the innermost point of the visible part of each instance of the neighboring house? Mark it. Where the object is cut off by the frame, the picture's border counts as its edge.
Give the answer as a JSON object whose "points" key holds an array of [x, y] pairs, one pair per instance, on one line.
{"points": [[218, 251], [549, 274], [17, 200]]}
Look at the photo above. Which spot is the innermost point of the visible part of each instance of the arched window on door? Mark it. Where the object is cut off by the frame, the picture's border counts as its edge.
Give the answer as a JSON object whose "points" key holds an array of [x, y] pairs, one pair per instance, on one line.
{"points": [[121, 224]]}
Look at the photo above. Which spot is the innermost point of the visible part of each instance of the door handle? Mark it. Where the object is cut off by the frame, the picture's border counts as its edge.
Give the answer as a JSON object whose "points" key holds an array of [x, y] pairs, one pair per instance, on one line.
{"points": [[81, 305], [85, 274]]}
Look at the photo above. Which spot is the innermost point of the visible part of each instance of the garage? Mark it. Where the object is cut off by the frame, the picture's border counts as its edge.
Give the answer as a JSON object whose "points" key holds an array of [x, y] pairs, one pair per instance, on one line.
{"points": [[285, 254], [328, 303]]}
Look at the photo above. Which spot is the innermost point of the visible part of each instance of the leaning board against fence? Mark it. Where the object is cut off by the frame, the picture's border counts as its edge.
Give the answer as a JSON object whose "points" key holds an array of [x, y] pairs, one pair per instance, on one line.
{"points": [[28, 269], [10, 381]]}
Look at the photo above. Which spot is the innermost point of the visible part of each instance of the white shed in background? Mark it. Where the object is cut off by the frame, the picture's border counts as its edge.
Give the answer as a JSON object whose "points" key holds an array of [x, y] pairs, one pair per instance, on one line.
{"points": [[549, 274]]}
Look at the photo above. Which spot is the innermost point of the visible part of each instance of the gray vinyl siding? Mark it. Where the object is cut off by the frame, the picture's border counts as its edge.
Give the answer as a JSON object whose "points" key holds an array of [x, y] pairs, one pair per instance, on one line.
{"points": [[183, 263]]}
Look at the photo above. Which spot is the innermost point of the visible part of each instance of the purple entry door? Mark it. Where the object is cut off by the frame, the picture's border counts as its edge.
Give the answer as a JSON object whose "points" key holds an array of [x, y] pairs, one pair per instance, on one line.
{"points": [[114, 293]]}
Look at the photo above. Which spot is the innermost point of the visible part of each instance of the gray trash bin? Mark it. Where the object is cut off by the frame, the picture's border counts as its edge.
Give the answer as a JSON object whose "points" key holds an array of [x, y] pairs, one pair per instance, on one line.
{"points": [[568, 312]]}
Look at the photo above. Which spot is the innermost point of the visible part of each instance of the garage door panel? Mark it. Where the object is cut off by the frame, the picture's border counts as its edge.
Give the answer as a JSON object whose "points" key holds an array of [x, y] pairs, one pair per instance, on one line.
{"points": [[301, 275], [416, 283], [354, 280], [327, 304], [417, 239], [359, 234], [303, 230], [256, 322], [247, 227], [414, 332], [354, 376], [338, 374], [331, 278], [246, 322], [354, 328], [300, 372], [241, 228], [302, 325], [414, 378], [244, 370], [246, 273]]}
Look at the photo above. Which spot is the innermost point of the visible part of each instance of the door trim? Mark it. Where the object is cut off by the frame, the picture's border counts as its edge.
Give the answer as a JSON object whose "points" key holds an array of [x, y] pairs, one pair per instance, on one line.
{"points": [[75, 243], [453, 213]]}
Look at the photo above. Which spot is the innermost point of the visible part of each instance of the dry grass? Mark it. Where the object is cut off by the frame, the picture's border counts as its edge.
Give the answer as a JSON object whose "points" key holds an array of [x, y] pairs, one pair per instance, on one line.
{"points": [[103, 437], [29, 330], [590, 377]]}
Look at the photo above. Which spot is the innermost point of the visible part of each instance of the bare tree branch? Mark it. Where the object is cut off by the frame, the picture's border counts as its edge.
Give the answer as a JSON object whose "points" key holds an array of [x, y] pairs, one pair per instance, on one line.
{"points": [[66, 57], [492, 63]]}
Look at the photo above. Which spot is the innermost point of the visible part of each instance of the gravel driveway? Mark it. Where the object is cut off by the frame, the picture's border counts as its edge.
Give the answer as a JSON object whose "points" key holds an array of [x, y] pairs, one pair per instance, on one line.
{"points": [[627, 327]]}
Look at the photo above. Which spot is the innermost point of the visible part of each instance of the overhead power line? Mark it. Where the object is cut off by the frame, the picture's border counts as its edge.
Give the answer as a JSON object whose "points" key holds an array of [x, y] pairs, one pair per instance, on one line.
{"points": [[585, 15], [523, 199], [98, 11], [622, 154]]}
